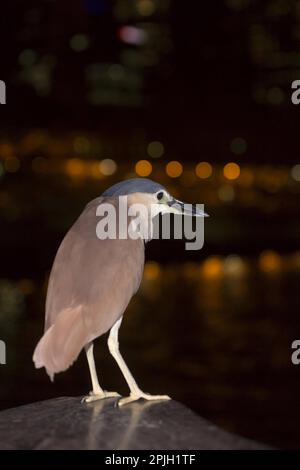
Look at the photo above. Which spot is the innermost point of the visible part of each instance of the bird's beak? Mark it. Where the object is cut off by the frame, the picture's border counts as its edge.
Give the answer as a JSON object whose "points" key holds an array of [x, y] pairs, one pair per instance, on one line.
{"points": [[183, 208]]}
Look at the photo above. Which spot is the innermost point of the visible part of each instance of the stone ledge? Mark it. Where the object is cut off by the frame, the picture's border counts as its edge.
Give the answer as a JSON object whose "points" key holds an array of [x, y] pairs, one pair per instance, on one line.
{"points": [[65, 423]]}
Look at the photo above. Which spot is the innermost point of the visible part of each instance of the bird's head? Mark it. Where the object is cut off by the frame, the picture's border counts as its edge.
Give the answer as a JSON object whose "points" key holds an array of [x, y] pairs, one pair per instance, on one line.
{"points": [[152, 195]]}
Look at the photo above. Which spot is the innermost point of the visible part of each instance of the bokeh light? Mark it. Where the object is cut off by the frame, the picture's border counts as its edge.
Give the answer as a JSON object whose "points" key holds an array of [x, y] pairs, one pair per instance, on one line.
{"points": [[231, 171], [212, 267], [132, 35], [295, 172], [275, 96], [143, 168], [226, 193], [234, 266], [238, 146], [174, 169], [75, 167], [145, 7], [94, 170], [204, 170], [108, 167], [79, 42], [6, 150], [269, 262], [27, 57], [155, 149], [151, 271]]}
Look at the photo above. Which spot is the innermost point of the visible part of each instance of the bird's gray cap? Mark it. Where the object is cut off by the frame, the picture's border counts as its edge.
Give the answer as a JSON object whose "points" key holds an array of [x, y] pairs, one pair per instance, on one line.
{"points": [[133, 185]]}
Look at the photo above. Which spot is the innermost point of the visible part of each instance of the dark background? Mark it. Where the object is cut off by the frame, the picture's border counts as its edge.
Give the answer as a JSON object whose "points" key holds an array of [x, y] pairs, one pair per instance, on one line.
{"points": [[98, 91]]}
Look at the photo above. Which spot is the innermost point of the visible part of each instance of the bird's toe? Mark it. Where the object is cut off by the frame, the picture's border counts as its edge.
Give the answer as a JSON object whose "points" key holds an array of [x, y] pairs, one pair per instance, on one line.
{"points": [[146, 396], [125, 400], [99, 396]]}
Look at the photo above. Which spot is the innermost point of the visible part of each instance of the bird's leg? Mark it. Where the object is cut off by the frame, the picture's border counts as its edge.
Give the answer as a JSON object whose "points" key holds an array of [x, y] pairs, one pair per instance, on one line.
{"points": [[97, 393], [135, 392]]}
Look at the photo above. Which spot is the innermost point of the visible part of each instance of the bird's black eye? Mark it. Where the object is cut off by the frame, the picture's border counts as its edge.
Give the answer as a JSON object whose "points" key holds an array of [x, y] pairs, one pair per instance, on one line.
{"points": [[160, 195]]}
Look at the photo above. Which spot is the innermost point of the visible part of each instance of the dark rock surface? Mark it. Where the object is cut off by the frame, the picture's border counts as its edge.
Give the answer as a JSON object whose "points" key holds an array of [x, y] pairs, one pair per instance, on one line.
{"points": [[66, 423]]}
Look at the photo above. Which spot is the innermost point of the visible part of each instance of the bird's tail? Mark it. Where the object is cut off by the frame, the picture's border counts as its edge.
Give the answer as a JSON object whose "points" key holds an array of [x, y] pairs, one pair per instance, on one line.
{"points": [[62, 342]]}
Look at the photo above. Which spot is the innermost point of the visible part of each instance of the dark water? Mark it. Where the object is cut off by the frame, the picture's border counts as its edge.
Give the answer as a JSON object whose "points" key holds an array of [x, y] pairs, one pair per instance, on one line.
{"points": [[212, 332], [220, 343]]}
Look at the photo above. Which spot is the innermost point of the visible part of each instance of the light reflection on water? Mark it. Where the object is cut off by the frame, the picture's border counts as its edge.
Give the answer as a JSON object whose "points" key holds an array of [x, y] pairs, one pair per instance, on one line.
{"points": [[216, 336]]}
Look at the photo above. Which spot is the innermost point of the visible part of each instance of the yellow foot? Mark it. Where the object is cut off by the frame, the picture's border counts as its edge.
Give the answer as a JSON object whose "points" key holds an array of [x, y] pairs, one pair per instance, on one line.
{"points": [[99, 396], [146, 396]]}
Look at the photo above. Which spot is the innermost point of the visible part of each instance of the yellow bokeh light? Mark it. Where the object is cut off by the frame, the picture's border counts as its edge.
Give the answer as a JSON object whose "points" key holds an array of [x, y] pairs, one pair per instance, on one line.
{"points": [[234, 266], [295, 172], [212, 267], [174, 169], [108, 167], [231, 171], [143, 168], [269, 261], [204, 170], [151, 271]]}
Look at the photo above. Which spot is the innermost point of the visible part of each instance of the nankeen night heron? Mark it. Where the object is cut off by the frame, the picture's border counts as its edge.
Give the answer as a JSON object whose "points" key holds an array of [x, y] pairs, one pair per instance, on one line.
{"points": [[91, 283]]}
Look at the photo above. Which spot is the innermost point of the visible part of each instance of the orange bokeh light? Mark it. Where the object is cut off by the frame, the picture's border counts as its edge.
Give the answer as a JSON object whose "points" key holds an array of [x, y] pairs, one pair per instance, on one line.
{"points": [[231, 171], [269, 261], [204, 170], [143, 168], [212, 267], [174, 169], [151, 271]]}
